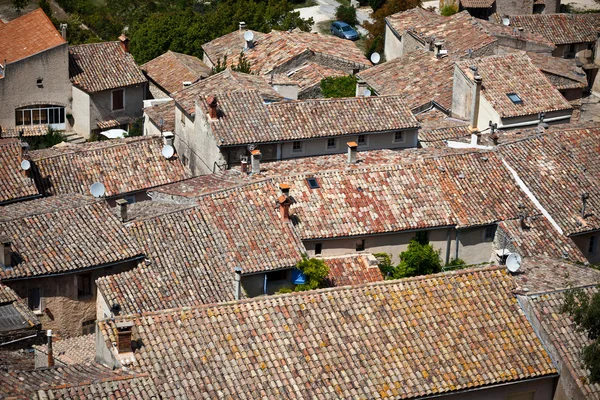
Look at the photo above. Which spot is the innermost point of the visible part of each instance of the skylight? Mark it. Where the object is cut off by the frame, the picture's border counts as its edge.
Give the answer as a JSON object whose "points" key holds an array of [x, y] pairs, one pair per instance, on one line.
{"points": [[312, 182], [514, 98]]}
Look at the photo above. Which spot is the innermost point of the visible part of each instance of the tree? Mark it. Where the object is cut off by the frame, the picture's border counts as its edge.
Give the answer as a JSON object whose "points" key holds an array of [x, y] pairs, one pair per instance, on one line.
{"points": [[377, 27], [346, 14], [584, 308], [341, 86], [418, 259], [448, 10], [51, 138], [384, 261], [45, 6], [243, 64], [19, 5], [315, 270]]}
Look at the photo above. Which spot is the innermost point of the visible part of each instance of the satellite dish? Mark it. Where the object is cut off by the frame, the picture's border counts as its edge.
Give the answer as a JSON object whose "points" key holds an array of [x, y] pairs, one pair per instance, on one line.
{"points": [[513, 262], [375, 58], [367, 93], [168, 151], [505, 21], [248, 36], [97, 189], [25, 165]]}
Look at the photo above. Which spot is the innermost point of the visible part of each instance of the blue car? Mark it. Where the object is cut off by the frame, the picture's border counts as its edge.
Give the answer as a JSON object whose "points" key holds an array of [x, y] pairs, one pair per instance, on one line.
{"points": [[343, 30]]}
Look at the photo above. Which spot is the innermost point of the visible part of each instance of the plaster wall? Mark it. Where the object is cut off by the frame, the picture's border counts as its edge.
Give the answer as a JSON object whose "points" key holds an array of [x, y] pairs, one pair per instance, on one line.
{"points": [[462, 95], [81, 111], [393, 46], [514, 7]]}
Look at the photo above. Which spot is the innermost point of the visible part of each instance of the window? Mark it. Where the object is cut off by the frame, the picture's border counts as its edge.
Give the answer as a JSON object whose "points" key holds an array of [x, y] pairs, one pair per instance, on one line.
{"points": [[40, 82], [34, 299], [422, 237], [318, 248], [592, 246], [514, 98], [84, 285], [297, 147], [277, 275], [118, 99], [331, 144], [88, 327], [312, 183], [362, 140], [489, 233], [398, 137], [360, 245], [43, 114]]}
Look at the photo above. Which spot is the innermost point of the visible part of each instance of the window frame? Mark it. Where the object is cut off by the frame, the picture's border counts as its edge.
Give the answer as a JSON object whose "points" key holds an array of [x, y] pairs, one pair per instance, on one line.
{"points": [[402, 137], [300, 150], [335, 144], [85, 327], [365, 143], [516, 102], [312, 186], [360, 245], [39, 299], [112, 99], [85, 286], [488, 229]]}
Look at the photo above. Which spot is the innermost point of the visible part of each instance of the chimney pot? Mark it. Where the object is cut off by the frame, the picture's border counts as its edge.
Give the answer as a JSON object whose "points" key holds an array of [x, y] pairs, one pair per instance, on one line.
{"points": [[168, 138], [63, 31], [124, 43], [212, 107], [285, 188], [124, 331], [122, 203], [6, 252], [352, 150], [256, 156], [284, 207], [242, 25]]}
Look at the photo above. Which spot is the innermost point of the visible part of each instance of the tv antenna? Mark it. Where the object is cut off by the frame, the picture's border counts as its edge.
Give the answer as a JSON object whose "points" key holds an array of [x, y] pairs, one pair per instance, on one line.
{"points": [[168, 151], [375, 58], [513, 263], [97, 189], [25, 165]]}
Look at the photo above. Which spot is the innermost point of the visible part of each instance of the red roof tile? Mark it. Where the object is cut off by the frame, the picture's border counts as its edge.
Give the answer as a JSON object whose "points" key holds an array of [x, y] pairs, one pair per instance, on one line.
{"points": [[171, 69], [560, 28], [352, 270], [14, 184]]}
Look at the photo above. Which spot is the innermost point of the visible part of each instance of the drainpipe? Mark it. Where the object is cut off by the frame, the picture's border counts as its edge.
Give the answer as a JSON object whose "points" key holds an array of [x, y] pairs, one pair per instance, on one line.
{"points": [[457, 244], [50, 355], [448, 243]]}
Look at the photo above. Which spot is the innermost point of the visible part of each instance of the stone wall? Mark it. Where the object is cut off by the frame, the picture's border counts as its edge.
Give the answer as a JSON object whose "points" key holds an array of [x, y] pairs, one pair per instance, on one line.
{"points": [[514, 7]]}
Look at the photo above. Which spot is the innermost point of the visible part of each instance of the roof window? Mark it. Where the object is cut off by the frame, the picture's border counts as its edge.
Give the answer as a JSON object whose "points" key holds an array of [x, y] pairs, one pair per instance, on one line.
{"points": [[514, 98], [312, 182]]}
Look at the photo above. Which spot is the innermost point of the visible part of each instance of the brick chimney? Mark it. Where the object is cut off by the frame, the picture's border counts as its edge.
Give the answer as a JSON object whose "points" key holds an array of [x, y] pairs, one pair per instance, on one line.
{"points": [[285, 188], [5, 252], [284, 207], [212, 103], [352, 150], [244, 164], [124, 331], [124, 43], [476, 98], [256, 156], [122, 203]]}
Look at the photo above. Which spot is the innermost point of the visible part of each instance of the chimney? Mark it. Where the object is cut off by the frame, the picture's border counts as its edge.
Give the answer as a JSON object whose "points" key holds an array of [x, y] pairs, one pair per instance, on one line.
{"points": [[237, 283], [352, 148], [584, 198], [285, 188], [124, 330], [212, 107], [50, 355], [168, 138], [244, 163], [256, 156], [437, 47], [284, 207], [63, 31], [476, 97], [242, 26], [5, 252], [124, 43], [122, 203], [361, 86], [474, 139]]}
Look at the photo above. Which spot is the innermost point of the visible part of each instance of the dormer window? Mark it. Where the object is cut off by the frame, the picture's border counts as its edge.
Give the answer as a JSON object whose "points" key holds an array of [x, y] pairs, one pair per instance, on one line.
{"points": [[514, 98]]}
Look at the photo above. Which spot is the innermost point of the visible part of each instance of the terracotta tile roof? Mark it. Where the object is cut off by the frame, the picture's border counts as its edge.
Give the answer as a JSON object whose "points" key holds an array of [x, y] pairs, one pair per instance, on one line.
{"points": [[25, 131], [122, 165], [564, 340], [223, 350], [418, 76], [558, 167], [224, 82], [76, 350], [275, 49], [15, 316], [560, 28], [164, 111], [246, 119], [477, 3], [102, 66], [171, 69], [437, 127], [459, 33], [499, 30], [539, 238], [310, 74], [562, 72], [27, 35], [48, 239], [126, 388], [514, 73], [198, 186], [352, 270], [193, 252], [14, 184]]}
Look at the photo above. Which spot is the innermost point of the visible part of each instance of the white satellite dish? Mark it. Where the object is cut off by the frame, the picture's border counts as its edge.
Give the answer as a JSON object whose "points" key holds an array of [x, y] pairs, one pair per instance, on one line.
{"points": [[505, 21], [168, 151], [248, 36], [375, 58], [25, 165], [367, 93], [97, 189], [513, 262]]}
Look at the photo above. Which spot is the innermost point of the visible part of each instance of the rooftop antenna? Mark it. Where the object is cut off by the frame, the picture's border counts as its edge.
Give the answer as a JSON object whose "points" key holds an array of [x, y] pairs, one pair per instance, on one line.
{"points": [[168, 151], [513, 263], [375, 58], [25, 165], [97, 189]]}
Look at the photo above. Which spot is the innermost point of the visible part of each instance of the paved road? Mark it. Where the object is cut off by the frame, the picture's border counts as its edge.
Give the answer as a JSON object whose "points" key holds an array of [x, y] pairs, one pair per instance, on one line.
{"points": [[326, 11]]}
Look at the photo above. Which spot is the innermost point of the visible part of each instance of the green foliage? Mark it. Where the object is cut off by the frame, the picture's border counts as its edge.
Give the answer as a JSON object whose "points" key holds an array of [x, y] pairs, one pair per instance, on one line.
{"points": [[448, 10], [418, 259], [456, 262], [384, 261], [376, 4], [243, 65], [346, 14], [284, 290], [342, 86], [19, 5], [45, 6], [219, 66], [585, 311], [137, 128], [377, 27], [51, 138], [315, 270]]}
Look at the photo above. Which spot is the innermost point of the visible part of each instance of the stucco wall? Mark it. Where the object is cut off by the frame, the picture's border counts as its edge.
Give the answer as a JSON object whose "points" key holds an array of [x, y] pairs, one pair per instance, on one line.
{"points": [[81, 111], [65, 311], [543, 389], [486, 114], [19, 87], [472, 246], [514, 7], [520, 44], [563, 49], [462, 95], [583, 242], [392, 44]]}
